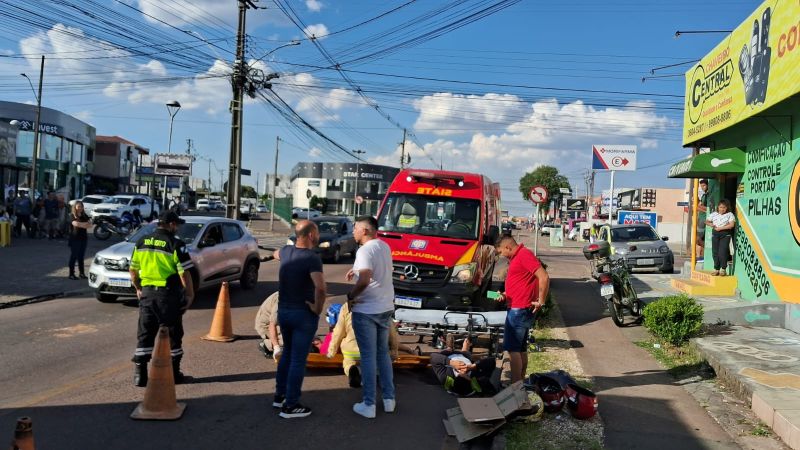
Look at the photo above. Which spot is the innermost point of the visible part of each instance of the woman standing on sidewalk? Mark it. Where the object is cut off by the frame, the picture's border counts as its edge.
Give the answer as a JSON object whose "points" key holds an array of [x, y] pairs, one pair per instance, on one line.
{"points": [[722, 222], [79, 222]]}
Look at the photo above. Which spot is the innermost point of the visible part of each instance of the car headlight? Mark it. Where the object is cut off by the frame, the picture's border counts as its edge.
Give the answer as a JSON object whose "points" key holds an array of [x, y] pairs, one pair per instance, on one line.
{"points": [[325, 244], [99, 260], [663, 249], [289, 242], [462, 273]]}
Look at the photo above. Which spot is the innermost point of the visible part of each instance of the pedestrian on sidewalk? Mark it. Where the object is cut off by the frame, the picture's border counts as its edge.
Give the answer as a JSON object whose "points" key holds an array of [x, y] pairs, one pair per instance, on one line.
{"points": [[51, 215], [301, 288], [23, 209], [160, 273], [527, 285], [372, 303], [722, 222], [702, 210], [78, 224]]}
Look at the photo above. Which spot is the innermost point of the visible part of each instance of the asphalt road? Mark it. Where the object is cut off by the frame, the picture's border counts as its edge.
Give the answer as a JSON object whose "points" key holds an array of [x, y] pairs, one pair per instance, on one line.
{"points": [[66, 363], [640, 405]]}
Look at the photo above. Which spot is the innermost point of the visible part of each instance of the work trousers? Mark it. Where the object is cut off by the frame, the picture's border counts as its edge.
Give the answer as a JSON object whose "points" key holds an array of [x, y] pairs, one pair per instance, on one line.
{"points": [[77, 253], [720, 246], [160, 306]]}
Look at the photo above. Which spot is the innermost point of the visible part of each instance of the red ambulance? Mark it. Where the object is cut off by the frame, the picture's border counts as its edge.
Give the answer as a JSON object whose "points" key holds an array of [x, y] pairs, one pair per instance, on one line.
{"points": [[441, 227]]}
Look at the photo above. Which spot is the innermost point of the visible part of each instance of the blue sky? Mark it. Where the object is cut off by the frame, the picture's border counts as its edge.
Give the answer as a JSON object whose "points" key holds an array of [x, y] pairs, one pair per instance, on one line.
{"points": [[532, 83]]}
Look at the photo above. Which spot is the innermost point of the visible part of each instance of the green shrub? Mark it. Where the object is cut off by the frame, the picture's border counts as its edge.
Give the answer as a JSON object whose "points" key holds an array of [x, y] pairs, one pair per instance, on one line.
{"points": [[674, 319]]}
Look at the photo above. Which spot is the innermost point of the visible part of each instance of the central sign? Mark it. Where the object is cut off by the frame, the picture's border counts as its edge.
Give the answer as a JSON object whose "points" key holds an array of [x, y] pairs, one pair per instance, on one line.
{"points": [[614, 157], [538, 194]]}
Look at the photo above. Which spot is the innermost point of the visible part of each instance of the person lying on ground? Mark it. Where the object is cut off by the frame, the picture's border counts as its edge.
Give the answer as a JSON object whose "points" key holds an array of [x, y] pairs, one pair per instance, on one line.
{"points": [[459, 375]]}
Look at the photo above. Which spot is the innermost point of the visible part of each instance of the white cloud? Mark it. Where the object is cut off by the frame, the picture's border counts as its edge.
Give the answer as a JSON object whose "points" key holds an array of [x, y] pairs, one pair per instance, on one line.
{"points": [[314, 5], [317, 31], [314, 152], [527, 136], [85, 116], [224, 14], [440, 112], [315, 104], [6, 52]]}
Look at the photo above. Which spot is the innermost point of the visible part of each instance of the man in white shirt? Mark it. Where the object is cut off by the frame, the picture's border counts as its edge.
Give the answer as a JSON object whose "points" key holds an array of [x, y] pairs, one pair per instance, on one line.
{"points": [[372, 304]]}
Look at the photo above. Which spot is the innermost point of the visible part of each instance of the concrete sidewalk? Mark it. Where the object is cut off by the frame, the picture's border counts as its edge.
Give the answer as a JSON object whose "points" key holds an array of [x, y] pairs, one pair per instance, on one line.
{"points": [[36, 269], [750, 353]]}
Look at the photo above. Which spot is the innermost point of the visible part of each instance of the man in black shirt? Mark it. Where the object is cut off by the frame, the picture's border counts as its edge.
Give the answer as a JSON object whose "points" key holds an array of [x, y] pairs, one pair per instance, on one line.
{"points": [[301, 288]]}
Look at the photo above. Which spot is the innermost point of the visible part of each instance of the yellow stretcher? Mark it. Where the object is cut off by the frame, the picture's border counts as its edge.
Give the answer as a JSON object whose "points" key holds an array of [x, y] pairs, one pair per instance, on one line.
{"points": [[320, 361]]}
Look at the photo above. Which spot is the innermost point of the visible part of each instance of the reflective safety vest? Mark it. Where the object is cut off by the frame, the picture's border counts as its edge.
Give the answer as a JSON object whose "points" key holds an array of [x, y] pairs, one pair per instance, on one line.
{"points": [[159, 258], [450, 381]]}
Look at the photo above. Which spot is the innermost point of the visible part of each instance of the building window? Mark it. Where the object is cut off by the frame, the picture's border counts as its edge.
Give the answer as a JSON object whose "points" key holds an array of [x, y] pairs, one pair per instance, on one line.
{"points": [[89, 154], [51, 148], [25, 144]]}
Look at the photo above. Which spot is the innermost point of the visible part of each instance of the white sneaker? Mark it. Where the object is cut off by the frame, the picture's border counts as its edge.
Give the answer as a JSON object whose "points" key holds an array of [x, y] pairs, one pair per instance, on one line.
{"points": [[363, 409], [389, 405]]}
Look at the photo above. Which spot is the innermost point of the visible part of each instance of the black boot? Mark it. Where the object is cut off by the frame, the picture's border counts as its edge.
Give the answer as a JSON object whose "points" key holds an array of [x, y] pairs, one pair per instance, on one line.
{"points": [[140, 374], [176, 372]]}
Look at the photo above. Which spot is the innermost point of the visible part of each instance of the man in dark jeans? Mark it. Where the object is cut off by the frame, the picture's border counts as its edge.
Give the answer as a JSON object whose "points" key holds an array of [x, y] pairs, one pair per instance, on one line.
{"points": [[51, 212], [301, 297], [23, 209]]}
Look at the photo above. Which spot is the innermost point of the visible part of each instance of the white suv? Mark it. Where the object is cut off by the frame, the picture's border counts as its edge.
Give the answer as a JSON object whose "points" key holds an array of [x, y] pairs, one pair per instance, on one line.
{"points": [[221, 249], [118, 205]]}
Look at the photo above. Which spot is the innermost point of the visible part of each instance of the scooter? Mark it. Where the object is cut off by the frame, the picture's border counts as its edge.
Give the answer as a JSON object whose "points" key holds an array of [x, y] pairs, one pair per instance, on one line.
{"points": [[613, 274], [105, 226]]}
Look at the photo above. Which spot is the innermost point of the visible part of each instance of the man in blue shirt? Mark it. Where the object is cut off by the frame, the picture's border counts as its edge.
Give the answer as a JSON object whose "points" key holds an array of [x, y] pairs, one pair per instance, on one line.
{"points": [[51, 214], [23, 209], [301, 297]]}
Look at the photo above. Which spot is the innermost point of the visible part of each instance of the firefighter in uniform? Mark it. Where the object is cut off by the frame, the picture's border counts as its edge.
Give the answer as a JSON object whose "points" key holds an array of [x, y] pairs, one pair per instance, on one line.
{"points": [[160, 273]]}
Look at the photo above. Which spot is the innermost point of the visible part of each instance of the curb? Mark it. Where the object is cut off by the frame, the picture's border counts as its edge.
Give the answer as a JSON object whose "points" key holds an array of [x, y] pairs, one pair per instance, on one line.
{"points": [[44, 298]]}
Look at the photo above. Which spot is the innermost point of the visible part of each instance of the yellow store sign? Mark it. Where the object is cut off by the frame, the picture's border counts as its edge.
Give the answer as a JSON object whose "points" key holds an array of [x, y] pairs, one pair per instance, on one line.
{"points": [[755, 67]]}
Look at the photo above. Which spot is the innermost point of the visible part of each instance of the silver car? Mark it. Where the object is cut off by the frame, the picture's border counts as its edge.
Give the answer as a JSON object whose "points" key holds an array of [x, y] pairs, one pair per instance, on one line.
{"points": [[640, 245], [221, 249]]}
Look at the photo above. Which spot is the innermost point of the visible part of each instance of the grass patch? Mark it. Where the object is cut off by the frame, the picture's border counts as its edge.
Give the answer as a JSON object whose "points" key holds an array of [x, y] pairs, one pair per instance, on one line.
{"points": [[681, 361], [761, 430], [543, 435]]}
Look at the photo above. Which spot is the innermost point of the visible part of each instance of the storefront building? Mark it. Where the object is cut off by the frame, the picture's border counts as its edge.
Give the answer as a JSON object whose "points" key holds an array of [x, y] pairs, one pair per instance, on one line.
{"points": [[342, 184], [65, 145], [741, 119]]}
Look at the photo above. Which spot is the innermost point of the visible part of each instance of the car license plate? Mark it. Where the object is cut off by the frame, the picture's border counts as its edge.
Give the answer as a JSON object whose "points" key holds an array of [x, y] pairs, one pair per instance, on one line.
{"points": [[411, 302], [119, 282], [645, 262], [607, 290]]}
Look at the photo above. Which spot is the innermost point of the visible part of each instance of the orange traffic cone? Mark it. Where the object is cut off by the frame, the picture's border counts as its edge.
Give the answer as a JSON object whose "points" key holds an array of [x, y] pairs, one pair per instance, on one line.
{"points": [[221, 327], [23, 434], [159, 397]]}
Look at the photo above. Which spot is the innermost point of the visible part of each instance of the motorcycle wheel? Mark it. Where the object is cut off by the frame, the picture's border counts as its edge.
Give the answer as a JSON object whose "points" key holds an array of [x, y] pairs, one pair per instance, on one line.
{"points": [[101, 232], [617, 311]]}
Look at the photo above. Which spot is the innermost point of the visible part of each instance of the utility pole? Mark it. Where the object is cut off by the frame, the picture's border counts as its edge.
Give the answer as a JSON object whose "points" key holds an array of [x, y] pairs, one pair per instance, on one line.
{"points": [[238, 79], [357, 206], [403, 152], [274, 187], [36, 144]]}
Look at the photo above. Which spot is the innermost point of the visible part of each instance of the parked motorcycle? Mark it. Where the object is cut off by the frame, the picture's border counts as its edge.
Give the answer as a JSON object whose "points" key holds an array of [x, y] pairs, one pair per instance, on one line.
{"points": [[105, 226], [616, 288]]}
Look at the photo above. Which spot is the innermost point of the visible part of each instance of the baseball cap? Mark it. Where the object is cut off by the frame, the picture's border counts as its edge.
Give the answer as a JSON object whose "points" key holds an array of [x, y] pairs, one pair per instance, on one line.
{"points": [[170, 217]]}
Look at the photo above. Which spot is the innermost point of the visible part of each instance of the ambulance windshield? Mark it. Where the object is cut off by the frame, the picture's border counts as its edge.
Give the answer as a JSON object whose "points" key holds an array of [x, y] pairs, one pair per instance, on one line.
{"points": [[431, 216]]}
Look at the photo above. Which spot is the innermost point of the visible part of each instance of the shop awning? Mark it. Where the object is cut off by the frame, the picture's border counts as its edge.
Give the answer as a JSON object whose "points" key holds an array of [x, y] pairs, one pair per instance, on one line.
{"points": [[729, 160]]}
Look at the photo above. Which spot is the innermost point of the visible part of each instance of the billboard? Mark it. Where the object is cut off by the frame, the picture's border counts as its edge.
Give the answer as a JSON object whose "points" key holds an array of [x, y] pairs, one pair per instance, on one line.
{"points": [[752, 69], [631, 217], [173, 164], [613, 157], [576, 204]]}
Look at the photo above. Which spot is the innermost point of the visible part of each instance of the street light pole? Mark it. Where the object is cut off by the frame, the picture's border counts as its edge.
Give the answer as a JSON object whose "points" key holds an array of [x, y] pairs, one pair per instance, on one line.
{"points": [[357, 208], [36, 144], [274, 187], [172, 108]]}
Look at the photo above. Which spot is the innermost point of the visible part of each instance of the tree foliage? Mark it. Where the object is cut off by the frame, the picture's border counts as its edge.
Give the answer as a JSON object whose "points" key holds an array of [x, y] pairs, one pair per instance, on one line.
{"points": [[318, 203], [546, 176]]}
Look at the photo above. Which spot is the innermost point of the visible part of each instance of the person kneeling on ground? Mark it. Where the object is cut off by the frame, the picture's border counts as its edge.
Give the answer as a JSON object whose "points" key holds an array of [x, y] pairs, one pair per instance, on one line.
{"points": [[460, 376], [343, 338], [267, 327]]}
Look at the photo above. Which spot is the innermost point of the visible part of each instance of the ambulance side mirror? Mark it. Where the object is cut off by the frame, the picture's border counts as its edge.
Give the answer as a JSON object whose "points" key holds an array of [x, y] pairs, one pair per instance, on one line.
{"points": [[490, 238]]}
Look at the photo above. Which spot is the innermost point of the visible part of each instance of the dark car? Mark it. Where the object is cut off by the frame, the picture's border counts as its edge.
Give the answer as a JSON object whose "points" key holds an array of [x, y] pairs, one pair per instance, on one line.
{"points": [[507, 228], [335, 237]]}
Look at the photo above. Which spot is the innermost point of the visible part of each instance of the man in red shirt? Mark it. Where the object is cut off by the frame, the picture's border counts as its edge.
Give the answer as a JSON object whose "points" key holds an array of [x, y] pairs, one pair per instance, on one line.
{"points": [[527, 284]]}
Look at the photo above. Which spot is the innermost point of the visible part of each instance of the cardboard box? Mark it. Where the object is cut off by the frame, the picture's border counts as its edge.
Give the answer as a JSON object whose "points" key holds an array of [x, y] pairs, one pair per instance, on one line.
{"points": [[476, 417]]}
